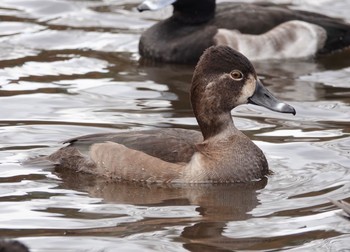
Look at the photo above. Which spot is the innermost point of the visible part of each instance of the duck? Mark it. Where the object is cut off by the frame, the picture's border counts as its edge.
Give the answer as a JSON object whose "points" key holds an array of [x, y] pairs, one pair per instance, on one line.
{"points": [[7, 245], [222, 80], [260, 31]]}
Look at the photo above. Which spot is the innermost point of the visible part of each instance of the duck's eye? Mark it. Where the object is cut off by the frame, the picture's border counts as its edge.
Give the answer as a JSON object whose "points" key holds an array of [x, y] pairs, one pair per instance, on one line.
{"points": [[236, 75]]}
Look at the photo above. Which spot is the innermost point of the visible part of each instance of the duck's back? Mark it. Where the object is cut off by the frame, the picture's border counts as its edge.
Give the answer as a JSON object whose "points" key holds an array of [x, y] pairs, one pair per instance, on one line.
{"points": [[250, 18]]}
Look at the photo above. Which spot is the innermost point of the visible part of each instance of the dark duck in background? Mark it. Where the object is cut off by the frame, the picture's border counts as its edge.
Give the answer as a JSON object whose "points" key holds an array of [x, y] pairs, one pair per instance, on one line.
{"points": [[259, 31]]}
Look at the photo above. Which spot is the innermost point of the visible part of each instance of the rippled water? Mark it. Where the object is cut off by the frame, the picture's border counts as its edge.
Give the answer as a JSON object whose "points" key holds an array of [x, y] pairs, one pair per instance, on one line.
{"points": [[69, 68]]}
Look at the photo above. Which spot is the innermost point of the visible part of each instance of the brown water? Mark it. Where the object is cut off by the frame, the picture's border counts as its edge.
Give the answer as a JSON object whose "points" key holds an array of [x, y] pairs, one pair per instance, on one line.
{"points": [[71, 67]]}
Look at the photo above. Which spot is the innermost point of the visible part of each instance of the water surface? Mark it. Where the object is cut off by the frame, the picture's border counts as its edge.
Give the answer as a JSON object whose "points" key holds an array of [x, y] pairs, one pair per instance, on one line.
{"points": [[69, 68]]}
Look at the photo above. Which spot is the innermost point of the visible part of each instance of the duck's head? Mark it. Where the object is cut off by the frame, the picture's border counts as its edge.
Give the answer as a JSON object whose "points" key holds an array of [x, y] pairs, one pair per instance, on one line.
{"points": [[187, 11], [224, 79], [154, 4]]}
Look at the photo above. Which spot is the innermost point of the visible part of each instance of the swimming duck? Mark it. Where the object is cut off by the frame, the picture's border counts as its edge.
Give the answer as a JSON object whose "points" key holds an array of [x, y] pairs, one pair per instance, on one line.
{"points": [[259, 31], [222, 80]]}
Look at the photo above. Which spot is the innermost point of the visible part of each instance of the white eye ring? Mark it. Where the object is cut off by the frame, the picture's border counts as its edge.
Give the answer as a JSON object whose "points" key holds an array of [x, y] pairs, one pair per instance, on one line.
{"points": [[236, 75]]}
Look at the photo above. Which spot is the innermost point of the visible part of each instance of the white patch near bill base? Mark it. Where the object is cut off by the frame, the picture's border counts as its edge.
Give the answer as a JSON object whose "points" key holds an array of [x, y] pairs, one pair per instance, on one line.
{"points": [[247, 90], [292, 39]]}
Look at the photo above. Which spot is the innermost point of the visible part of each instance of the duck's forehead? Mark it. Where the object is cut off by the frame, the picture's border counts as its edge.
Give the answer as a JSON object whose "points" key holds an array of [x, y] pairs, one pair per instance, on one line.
{"points": [[225, 59], [242, 64]]}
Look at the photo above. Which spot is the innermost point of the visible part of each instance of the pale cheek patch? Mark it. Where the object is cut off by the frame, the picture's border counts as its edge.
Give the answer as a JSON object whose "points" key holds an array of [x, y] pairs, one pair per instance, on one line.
{"points": [[210, 85], [247, 90], [210, 93], [211, 89]]}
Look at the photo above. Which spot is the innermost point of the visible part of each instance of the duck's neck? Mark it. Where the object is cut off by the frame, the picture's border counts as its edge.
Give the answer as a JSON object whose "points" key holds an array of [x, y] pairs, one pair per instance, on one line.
{"points": [[193, 11], [213, 122]]}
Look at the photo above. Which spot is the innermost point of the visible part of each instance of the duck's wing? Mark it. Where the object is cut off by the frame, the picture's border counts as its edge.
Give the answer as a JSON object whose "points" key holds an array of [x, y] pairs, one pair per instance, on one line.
{"points": [[149, 156], [171, 145], [116, 161]]}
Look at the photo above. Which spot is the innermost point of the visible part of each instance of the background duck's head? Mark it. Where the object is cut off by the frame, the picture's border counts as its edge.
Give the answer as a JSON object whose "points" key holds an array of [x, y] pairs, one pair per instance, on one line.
{"points": [[188, 11], [181, 4]]}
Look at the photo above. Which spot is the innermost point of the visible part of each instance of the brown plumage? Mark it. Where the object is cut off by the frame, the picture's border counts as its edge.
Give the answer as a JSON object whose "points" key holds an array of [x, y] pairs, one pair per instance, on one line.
{"points": [[222, 80]]}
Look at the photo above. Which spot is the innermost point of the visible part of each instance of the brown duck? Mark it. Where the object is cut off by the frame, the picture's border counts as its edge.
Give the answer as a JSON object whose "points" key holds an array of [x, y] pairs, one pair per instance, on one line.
{"points": [[222, 80]]}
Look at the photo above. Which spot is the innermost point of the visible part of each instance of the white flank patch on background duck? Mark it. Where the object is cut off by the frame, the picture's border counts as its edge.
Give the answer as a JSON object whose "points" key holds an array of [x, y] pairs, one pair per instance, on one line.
{"points": [[292, 39]]}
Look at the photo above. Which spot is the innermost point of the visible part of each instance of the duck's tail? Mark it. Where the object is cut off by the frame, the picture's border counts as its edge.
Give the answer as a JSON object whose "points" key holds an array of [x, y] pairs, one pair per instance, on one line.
{"points": [[338, 31], [338, 37]]}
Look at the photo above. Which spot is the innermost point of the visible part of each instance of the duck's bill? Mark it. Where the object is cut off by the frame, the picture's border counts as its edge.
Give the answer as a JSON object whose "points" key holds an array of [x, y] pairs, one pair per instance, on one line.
{"points": [[154, 4], [263, 97]]}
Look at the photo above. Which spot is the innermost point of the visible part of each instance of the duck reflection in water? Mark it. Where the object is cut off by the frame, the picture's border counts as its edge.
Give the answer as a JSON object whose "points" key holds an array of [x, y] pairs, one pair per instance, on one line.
{"points": [[216, 205]]}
